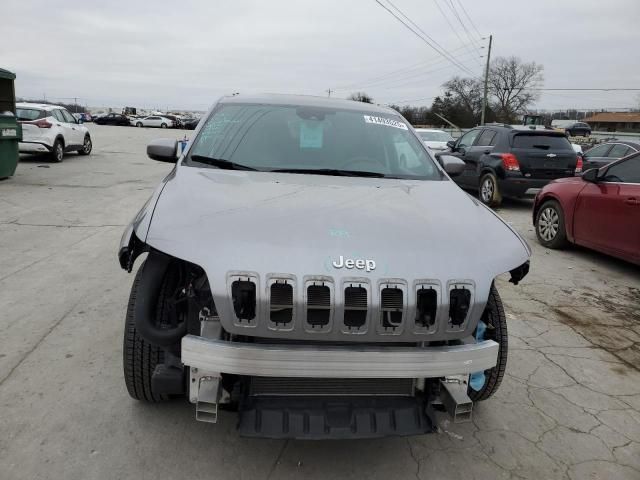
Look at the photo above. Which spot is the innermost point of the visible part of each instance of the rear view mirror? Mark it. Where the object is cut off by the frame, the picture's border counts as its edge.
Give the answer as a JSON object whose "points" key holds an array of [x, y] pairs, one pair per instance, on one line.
{"points": [[163, 150], [452, 165], [591, 175], [451, 144]]}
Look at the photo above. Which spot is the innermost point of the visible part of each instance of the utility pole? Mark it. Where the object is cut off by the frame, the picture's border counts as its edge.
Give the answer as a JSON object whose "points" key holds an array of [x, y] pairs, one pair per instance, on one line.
{"points": [[486, 82], [329, 92]]}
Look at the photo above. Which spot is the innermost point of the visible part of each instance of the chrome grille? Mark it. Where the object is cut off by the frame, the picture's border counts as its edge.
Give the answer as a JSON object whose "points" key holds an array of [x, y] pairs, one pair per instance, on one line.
{"points": [[411, 310]]}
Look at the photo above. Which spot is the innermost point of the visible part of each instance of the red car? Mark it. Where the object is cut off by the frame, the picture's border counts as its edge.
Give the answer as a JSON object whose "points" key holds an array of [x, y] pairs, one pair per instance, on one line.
{"points": [[599, 210]]}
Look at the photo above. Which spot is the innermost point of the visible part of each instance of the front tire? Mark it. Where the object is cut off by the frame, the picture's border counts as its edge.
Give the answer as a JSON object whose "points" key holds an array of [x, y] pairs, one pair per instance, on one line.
{"points": [[87, 146], [550, 226], [496, 330], [164, 125], [57, 152], [139, 357], [489, 192], [139, 124]]}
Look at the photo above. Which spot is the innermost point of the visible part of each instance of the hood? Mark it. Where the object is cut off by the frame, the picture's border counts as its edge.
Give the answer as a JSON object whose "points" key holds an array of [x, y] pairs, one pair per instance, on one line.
{"points": [[300, 224], [568, 180]]}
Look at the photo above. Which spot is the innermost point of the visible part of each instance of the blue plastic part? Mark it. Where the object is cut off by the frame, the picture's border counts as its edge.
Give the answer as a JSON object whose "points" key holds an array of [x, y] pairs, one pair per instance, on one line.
{"points": [[477, 379]]}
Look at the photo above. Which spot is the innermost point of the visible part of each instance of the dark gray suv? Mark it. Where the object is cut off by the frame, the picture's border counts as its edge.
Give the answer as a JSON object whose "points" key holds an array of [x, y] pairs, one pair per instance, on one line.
{"points": [[502, 160]]}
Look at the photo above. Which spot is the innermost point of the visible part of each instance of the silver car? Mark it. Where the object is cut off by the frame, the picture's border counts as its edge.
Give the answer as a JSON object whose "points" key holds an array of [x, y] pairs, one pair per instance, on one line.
{"points": [[310, 265]]}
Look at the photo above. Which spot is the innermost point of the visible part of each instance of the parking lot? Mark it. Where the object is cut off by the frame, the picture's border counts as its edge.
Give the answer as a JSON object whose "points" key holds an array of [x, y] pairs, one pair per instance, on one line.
{"points": [[569, 405]]}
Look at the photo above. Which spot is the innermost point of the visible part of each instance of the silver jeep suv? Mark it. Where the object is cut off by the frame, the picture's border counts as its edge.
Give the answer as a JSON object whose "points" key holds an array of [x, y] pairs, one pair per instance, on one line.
{"points": [[312, 267]]}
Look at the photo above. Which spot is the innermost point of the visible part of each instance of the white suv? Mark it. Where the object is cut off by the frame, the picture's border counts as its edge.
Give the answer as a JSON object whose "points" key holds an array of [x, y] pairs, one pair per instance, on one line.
{"points": [[52, 129]]}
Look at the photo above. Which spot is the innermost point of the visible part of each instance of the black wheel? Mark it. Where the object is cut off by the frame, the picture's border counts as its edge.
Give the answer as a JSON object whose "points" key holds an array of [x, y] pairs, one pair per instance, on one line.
{"points": [[550, 228], [57, 152], [139, 124], [568, 133], [488, 191], [495, 328], [87, 146], [139, 358], [163, 125]]}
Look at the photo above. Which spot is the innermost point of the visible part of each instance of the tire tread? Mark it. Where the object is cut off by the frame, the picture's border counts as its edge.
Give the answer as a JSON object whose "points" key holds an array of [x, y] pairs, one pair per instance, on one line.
{"points": [[139, 357], [495, 317]]}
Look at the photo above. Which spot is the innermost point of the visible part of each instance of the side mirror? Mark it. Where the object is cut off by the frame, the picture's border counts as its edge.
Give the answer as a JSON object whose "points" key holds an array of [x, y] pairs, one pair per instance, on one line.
{"points": [[163, 150], [452, 145], [452, 165], [79, 121], [591, 175]]}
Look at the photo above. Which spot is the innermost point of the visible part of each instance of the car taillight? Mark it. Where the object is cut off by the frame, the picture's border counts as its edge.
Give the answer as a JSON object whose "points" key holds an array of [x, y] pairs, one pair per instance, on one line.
{"points": [[579, 164], [42, 123], [510, 162]]}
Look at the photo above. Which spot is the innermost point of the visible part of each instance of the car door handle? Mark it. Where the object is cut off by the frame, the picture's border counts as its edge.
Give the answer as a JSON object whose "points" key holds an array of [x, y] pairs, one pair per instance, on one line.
{"points": [[632, 201], [487, 152]]}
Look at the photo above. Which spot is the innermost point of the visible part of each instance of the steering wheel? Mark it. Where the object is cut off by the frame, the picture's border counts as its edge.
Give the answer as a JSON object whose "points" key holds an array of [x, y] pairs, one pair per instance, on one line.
{"points": [[363, 160]]}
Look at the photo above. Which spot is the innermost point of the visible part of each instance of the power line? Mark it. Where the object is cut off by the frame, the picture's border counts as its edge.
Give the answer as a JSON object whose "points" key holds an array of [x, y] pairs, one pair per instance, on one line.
{"points": [[589, 89], [401, 71], [393, 80], [425, 40], [414, 24], [414, 81], [411, 100], [452, 7], [455, 30], [464, 10]]}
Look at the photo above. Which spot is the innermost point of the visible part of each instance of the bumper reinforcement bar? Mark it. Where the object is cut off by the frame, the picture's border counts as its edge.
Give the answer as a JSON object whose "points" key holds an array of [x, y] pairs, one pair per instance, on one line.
{"points": [[262, 360]]}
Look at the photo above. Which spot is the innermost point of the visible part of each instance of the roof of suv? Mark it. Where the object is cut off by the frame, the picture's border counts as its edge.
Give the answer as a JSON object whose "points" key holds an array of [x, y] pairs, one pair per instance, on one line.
{"points": [[307, 101], [41, 106], [540, 130]]}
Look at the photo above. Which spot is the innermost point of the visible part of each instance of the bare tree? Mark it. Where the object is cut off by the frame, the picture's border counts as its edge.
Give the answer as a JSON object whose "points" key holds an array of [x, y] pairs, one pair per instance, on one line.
{"points": [[360, 97], [511, 82], [466, 93]]}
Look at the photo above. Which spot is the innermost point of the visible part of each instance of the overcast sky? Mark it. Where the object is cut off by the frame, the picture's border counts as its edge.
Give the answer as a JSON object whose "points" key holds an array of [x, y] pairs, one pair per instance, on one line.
{"points": [[184, 54]]}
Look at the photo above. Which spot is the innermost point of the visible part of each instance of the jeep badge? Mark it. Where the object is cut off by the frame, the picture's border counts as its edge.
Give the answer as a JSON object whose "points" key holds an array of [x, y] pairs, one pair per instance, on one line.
{"points": [[359, 263]]}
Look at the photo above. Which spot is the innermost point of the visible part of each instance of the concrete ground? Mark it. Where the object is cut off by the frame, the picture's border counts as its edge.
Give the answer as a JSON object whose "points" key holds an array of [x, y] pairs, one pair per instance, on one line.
{"points": [[569, 406]]}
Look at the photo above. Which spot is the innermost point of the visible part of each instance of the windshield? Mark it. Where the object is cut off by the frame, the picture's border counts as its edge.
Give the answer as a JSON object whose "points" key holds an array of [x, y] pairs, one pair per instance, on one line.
{"points": [[301, 139], [435, 136]]}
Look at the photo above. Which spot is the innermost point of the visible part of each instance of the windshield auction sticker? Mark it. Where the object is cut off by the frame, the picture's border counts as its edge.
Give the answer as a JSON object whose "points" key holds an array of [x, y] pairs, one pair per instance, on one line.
{"points": [[385, 121]]}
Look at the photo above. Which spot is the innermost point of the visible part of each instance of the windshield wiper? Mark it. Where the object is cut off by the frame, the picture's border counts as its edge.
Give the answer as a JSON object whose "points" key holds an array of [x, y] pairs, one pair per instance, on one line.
{"points": [[220, 163], [330, 171]]}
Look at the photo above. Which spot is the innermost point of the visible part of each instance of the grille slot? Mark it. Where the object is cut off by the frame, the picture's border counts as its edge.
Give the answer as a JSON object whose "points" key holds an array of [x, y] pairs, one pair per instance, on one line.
{"points": [[281, 306], [243, 294], [318, 306], [391, 305], [426, 307], [355, 307], [459, 302], [282, 386]]}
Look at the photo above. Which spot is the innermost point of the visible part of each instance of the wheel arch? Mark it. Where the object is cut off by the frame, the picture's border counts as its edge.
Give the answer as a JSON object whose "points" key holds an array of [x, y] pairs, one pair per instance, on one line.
{"points": [[568, 219]]}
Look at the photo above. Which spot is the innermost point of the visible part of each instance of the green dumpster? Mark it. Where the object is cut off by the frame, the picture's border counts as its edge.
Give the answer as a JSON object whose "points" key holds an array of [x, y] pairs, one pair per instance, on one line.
{"points": [[10, 129]]}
